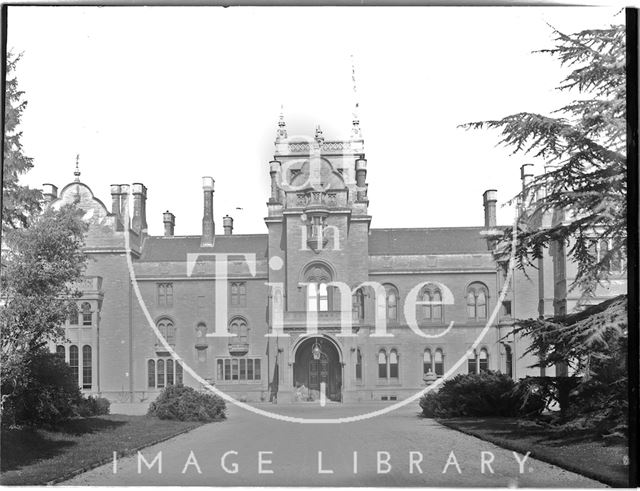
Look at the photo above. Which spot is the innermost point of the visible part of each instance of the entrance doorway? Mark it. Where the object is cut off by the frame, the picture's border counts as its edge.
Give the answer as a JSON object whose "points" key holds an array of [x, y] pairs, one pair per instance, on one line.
{"points": [[318, 361]]}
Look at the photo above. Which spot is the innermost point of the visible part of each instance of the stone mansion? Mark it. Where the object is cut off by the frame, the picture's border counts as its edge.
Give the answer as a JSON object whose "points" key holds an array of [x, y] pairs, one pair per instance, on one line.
{"points": [[318, 232]]}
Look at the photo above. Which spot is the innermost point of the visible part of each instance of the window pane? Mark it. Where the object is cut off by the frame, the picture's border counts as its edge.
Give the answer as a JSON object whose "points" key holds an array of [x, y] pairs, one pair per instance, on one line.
{"points": [[393, 364], [426, 309], [427, 362], [250, 369], [86, 367], [437, 309], [257, 369], [324, 298], [243, 369], [227, 369], [382, 364], [312, 297], [74, 360], [169, 372], [151, 374], [169, 294], [484, 360], [160, 383], [234, 369], [171, 333], [220, 373]]}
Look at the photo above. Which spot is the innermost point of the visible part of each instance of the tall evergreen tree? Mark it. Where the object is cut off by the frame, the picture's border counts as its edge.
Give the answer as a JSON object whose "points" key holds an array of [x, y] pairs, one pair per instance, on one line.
{"points": [[19, 202], [585, 143]]}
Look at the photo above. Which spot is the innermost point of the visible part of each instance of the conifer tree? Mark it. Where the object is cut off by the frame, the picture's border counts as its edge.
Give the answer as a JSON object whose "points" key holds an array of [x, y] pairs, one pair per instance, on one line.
{"points": [[19, 202]]}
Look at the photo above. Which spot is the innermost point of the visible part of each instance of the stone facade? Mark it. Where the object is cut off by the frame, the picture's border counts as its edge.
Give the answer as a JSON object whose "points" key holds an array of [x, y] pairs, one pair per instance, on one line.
{"points": [[318, 233]]}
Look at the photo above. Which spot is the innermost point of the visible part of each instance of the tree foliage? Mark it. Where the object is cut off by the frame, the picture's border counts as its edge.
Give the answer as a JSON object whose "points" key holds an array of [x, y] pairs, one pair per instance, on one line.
{"points": [[19, 202], [41, 267], [584, 142]]}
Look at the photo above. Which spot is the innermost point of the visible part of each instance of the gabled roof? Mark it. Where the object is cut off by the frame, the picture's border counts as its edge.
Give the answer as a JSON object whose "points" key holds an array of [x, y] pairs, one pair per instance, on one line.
{"points": [[453, 240], [176, 248]]}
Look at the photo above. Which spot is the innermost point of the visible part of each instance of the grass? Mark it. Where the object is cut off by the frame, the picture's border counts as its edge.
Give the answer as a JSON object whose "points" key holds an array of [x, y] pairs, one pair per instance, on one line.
{"points": [[577, 452], [38, 456]]}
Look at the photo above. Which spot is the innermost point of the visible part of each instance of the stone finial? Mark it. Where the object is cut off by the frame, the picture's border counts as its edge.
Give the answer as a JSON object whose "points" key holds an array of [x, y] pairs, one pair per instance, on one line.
{"points": [[77, 171], [319, 136], [281, 134]]}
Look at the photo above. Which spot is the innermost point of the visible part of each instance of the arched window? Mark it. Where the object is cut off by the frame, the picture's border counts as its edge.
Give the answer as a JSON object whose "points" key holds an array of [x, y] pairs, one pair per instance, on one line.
{"points": [[433, 310], [87, 316], [427, 362], [358, 365], [483, 362], [472, 362], [508, 361], [393, 364], [167, 330], [60, 351], [169, 371], [178, 373], [74, 360], [358, 305], [151, 374], [201, 332], [439, 363], [604, 248], [86, 367], [391, 302], [318, 299], [477, 295], [160, 366], [238, 326], [382, 364]]}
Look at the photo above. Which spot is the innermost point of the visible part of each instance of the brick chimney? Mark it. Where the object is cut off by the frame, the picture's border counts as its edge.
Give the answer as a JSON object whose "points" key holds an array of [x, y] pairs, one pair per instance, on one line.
{"points": [[169, 220], [227, 224], [124, 206], [526, 174], [50, 192], [490, 198], [139, 220], [208, 226], [115, 206]]}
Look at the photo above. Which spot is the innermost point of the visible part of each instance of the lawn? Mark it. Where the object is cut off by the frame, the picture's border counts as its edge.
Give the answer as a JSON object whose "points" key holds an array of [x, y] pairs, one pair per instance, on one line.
{"points": [[38, 456], [577, 452]]}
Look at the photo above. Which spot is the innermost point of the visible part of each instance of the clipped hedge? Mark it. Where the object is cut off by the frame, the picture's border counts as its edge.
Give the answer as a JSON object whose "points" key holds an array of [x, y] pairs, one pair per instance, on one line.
{"points": [[94, 406], [187, 404], [482, 394]]}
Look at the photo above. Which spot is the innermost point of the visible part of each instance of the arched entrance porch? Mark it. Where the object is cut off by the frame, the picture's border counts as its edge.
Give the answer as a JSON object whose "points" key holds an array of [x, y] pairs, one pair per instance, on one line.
{"points": [[317, 360]]}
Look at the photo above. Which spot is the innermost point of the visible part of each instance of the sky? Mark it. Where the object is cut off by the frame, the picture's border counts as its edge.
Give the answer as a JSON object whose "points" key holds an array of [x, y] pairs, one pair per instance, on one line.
{"points": [[166, 95]]}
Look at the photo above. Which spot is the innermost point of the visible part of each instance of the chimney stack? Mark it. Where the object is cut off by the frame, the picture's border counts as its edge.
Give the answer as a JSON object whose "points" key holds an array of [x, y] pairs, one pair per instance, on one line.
{"points": [[50, 192], [227, 224], [139, 221], [208, 226], [526, 174], [490, 198], [169, 220], [115, 206], [124, 206]]}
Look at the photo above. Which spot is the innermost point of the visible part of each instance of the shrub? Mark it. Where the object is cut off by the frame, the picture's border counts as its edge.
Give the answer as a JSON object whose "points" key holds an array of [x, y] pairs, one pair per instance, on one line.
{"points": [[187, 404], [93, 406], [50, 394], [483, 394]]}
